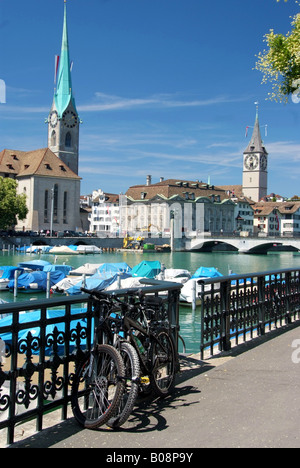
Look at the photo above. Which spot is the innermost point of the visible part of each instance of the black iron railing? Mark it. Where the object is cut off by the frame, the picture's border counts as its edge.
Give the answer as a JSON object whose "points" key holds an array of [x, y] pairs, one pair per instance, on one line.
{"points": [[42, 344], [236, 308]]}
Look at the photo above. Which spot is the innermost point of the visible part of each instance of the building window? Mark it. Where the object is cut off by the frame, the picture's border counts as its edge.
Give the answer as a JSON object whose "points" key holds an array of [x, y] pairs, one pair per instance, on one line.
{"points": [[46, 206], [68, 142], [55, 204], [65, 217], [53, 138]]}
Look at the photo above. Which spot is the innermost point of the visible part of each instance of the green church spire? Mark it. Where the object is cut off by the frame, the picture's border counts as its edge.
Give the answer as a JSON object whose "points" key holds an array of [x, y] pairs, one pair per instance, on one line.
{"points": [[63, 94]]}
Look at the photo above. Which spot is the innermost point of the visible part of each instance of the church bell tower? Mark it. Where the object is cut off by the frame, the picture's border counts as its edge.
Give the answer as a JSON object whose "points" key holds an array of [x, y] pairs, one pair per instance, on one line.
{"points": [[255, 174], [63, 121]]}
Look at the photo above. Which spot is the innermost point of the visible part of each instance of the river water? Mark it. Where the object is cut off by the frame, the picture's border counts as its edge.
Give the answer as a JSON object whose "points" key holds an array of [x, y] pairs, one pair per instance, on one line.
{"points": [[189, 320]]}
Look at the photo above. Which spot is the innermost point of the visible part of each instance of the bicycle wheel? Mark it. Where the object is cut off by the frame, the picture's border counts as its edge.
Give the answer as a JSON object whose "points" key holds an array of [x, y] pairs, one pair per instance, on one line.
{"points": [[132, 374], [162, 354], [98, 387]]}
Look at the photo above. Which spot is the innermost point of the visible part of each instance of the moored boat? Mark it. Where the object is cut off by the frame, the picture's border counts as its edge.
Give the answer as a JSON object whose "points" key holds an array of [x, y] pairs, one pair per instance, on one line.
{"points": [[191, 290], [6, 275]]}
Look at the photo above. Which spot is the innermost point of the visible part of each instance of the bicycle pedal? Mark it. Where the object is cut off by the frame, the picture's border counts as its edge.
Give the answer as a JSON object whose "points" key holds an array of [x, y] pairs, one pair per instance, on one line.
{"points": [[145, 380]]}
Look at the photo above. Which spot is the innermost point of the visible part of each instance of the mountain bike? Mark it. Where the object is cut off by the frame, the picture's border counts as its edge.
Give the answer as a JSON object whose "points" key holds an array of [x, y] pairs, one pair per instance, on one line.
{"points": [[140, 333], [98, 385]]}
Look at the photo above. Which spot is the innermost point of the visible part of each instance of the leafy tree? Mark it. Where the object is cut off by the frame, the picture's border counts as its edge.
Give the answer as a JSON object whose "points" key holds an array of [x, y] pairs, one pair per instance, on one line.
{"points": [[280, 64], [11, 204]]}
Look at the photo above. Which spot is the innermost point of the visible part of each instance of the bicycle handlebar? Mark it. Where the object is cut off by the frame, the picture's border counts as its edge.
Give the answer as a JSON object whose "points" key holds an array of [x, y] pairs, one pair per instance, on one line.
{"points": [[108, 296]]}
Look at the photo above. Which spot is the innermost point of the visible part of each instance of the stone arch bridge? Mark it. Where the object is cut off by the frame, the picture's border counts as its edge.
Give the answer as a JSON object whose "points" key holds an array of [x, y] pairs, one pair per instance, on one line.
{"points": [[249, 245]]}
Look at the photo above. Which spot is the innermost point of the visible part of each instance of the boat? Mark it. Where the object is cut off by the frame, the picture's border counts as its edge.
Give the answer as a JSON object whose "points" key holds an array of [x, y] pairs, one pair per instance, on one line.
{"points": [[66, 269], [7, 273], [126, 283], [87, 269], [34, 265], [35, 281], [111, 269], [146, 269], [191, 289], [88, 249], [174, 274], [98, 282], [62, 286], [64, 250]]}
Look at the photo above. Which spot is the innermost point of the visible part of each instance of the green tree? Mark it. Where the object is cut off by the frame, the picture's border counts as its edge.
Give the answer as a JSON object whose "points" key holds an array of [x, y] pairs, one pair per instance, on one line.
{"points": [[12, 205], [280, 63]]}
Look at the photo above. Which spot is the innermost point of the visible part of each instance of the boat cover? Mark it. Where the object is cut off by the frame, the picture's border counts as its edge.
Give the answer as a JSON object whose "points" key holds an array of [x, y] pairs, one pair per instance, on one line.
{"points": [[97, 281], [86, 269], [204, 272], [64, 250], [8, 272], [34, 264], [146, 269], [111, 269], [86, 249], [39, 278], [64, 268]]}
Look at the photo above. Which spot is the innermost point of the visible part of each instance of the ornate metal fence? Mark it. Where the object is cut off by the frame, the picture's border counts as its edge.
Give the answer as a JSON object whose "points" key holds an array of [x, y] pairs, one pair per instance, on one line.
{"points": [[42, 343], [236, 308]]}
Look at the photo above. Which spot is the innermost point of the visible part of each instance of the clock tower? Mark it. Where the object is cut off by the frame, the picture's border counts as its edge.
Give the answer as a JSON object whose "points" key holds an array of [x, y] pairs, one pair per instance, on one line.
{"points": [[255, 174], [63, 121]]}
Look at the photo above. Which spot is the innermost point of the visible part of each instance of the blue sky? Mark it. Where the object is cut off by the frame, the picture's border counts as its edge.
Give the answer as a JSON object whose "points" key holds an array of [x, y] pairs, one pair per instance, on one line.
{"points": [[163, 87]]}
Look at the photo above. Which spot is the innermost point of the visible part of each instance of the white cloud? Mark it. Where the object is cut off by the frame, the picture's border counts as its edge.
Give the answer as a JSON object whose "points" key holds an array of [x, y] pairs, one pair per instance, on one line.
{"points": [[107, 102]]}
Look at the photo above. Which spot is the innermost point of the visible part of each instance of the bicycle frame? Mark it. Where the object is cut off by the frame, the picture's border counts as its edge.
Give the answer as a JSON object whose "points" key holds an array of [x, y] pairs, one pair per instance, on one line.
{"points": [[110, 334]]}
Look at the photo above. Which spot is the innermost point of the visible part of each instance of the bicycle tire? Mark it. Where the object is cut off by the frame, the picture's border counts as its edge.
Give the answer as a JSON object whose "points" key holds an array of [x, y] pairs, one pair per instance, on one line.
{"points": [[98, 387], [163, 359], [132, 375]]}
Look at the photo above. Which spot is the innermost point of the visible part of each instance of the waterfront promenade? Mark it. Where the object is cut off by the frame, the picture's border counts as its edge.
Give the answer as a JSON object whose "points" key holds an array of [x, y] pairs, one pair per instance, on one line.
{"points": [[248, 397]]}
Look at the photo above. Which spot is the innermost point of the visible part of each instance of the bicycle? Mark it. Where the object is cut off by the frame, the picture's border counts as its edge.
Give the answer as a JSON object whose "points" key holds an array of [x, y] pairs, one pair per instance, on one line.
{"points": [[141, 336], [98, 385]]}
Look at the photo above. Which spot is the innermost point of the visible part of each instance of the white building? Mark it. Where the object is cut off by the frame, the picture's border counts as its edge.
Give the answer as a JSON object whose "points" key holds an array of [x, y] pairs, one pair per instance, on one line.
{"points": [[196, 208], [105, 214], [277, 219]]}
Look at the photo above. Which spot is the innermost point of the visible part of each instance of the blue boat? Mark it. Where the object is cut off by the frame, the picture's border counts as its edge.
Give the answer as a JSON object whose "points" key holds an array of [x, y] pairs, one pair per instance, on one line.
{"points": [[146, 269], [206, 272], [97, 281], [34, 264], [7, 273], [113, 268], [35, 281]]}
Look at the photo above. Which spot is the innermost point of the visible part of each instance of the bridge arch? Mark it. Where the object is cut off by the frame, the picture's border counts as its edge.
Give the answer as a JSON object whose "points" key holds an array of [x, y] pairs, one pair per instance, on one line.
{"points": [[272, 247], [215, 246]]}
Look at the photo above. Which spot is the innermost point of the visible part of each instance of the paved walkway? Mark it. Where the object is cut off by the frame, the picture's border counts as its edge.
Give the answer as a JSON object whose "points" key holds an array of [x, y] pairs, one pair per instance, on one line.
{"points": [[250, 399]]}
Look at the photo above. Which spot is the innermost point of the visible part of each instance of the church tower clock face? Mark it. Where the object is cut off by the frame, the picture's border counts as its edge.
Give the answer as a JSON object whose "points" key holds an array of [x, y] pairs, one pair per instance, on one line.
{"points": [[53, 119], [251, 162], [263, 162], [70, 119]]}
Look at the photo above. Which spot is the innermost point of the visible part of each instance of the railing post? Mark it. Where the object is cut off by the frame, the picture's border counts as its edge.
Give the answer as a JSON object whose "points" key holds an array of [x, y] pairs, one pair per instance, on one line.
{"points": [[225, 317], [202, 296], [288, 279], [261, 306]]}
